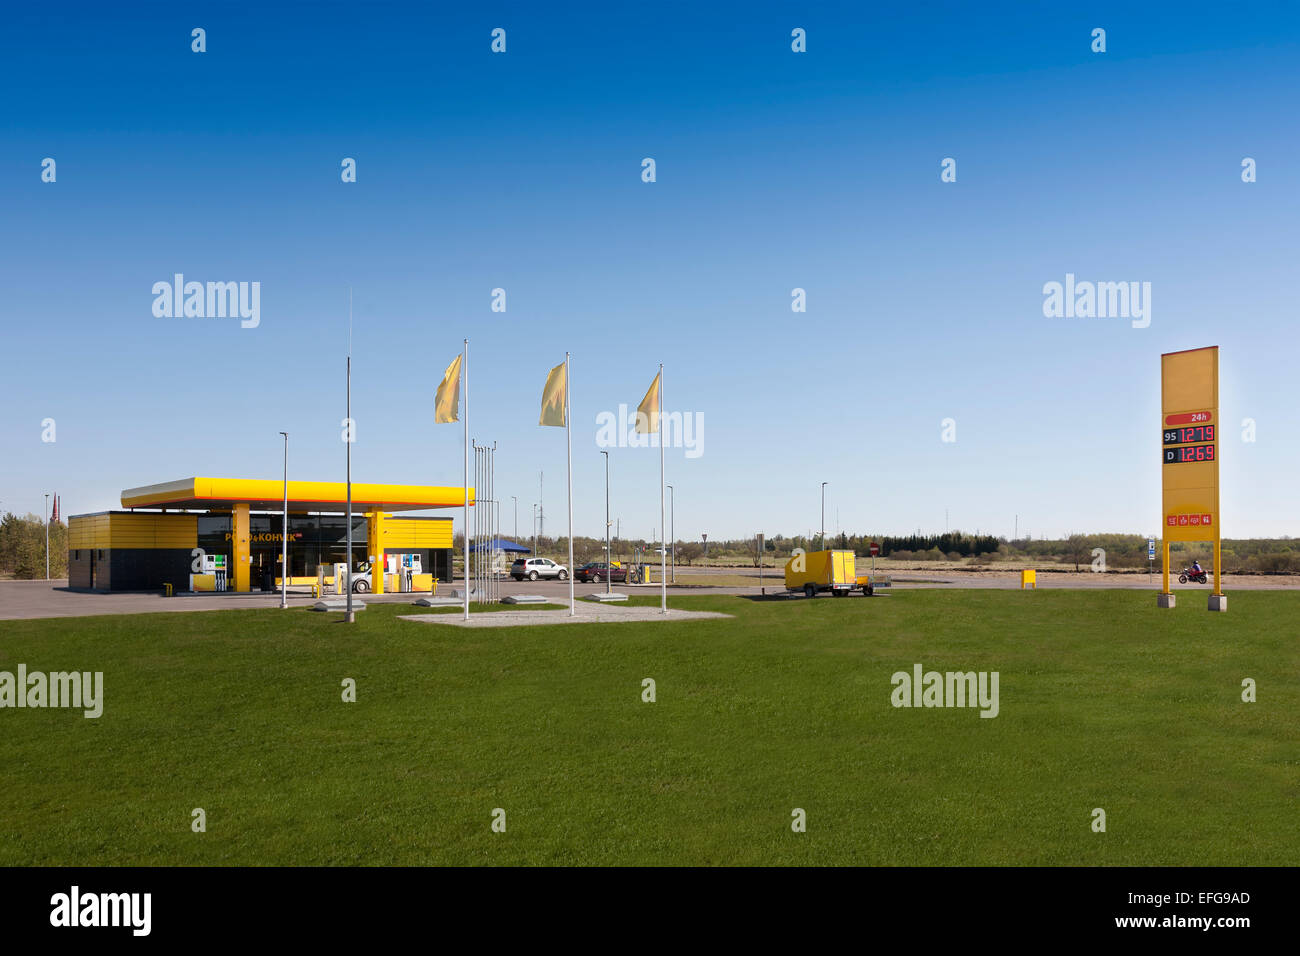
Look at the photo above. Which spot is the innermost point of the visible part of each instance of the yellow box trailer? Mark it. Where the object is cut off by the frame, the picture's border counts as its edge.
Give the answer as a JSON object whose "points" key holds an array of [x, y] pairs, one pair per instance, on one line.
{"points": [[816, 571], [870, 582]]}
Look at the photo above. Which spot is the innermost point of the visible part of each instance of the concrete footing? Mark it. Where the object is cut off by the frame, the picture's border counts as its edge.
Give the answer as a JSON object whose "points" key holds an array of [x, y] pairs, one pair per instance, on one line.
{"points": [[338, 604], [1218, 602], [1166, 600]]}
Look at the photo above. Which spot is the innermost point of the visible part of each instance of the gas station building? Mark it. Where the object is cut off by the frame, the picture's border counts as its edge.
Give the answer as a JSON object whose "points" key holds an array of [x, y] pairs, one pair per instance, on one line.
{"points": [[236, 526]]}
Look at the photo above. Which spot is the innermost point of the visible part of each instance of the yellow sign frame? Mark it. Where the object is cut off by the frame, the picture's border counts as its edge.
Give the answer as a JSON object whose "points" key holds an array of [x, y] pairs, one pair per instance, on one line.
{"points": [[1189, 393]]}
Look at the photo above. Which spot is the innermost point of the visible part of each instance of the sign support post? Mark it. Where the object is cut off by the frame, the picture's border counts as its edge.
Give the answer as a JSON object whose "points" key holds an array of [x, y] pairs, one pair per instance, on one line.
{"points": [[1218, 584], [1164, 575]]}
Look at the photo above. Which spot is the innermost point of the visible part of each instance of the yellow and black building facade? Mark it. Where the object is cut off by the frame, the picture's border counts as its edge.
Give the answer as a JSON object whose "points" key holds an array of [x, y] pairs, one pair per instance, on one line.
{"points": [[164, 528]]}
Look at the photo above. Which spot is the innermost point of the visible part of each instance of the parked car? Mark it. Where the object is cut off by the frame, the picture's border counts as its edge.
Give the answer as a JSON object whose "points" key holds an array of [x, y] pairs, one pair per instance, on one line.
{"points": [[534, 568], [596, 572]]}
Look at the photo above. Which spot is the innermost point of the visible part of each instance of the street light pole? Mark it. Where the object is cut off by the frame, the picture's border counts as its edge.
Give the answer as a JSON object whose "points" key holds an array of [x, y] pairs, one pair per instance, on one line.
{"points": [[824, 484], [515, 499], [672, 524], [47, 536], [284, 531], [350, 615], [609, 555]]}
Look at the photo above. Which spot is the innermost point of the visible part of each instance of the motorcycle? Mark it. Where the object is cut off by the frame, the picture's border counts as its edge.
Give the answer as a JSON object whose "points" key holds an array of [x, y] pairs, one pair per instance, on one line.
{"points": [[1196, 577]]}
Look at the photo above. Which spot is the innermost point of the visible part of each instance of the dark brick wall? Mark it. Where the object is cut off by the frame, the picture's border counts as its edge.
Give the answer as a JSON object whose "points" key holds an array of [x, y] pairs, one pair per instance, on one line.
{"points": [[143, 569]]}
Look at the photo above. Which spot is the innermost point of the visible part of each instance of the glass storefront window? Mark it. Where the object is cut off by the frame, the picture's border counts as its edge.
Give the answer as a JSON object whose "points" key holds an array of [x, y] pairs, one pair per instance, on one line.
{"points": [[214, 535], [314, 539]]}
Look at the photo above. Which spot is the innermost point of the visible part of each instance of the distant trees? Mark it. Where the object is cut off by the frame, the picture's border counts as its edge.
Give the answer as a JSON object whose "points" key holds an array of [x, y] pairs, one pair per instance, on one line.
{"points": [[1077, 549], [952, 542], [1123, 551], [22, 547], [689, 552]]}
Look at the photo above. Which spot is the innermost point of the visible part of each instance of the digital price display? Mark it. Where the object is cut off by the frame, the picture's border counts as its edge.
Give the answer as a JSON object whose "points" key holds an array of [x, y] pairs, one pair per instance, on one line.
{"points": [[1189, 436], [1182, 453]]}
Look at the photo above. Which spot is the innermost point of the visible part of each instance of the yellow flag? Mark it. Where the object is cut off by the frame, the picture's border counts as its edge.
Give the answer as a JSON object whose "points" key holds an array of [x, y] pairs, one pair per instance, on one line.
{"points": [[446, 406], [647, 413], [555, 397]]}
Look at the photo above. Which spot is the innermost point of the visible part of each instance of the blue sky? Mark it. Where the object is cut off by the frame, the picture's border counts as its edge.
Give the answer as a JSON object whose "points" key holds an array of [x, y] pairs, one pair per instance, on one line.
{"points": [[775, 170]]}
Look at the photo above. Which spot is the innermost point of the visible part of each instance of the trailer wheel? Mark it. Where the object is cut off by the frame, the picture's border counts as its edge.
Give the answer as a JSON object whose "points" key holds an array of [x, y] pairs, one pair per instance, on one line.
{"points": [[809, 591], [867, 590], [839, 593]]}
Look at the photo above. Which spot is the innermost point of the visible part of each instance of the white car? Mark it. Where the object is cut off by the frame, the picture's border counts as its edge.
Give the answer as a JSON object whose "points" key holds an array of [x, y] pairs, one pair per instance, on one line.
{"points": [[534, 568]]}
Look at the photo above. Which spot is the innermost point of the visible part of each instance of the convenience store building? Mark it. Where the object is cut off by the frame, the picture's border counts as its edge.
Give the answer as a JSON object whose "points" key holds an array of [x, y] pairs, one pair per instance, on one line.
{"points": [[167, 530]]}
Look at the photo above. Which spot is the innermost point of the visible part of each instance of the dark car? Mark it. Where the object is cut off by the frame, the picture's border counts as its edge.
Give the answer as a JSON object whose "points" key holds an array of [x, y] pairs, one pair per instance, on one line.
{"points": [[596, 571]]}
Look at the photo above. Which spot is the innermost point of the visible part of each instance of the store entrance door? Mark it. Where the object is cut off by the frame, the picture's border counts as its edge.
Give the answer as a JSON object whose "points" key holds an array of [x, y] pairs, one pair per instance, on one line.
{"points": [[264, 570]]}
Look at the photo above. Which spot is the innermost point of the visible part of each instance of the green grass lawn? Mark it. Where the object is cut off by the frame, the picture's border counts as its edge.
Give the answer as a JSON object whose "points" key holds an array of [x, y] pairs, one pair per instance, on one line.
{"points": [[1105, 701]]}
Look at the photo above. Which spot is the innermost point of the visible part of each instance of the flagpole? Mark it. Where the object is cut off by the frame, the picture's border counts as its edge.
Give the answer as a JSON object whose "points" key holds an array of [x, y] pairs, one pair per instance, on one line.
{"points": [[464, 377], [350, 616], [663, 551], [568, 436]]}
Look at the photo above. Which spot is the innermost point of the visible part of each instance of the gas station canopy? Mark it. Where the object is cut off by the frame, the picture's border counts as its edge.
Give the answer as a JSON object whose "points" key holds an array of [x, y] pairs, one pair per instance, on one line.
{"points": [[223, 494]]}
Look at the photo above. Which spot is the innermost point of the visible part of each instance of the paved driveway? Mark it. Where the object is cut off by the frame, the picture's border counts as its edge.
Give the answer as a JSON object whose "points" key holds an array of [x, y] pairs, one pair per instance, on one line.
{"points": [[32, 599]]}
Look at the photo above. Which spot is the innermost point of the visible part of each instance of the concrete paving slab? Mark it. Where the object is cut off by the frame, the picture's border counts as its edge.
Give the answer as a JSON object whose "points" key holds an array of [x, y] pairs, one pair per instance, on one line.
{"points": [[587, 613], [338, 604]]}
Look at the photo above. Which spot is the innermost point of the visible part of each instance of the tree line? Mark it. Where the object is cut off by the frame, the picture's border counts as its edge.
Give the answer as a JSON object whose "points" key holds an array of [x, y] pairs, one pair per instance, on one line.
{"points": [[22, 547], [1121, 551]]}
